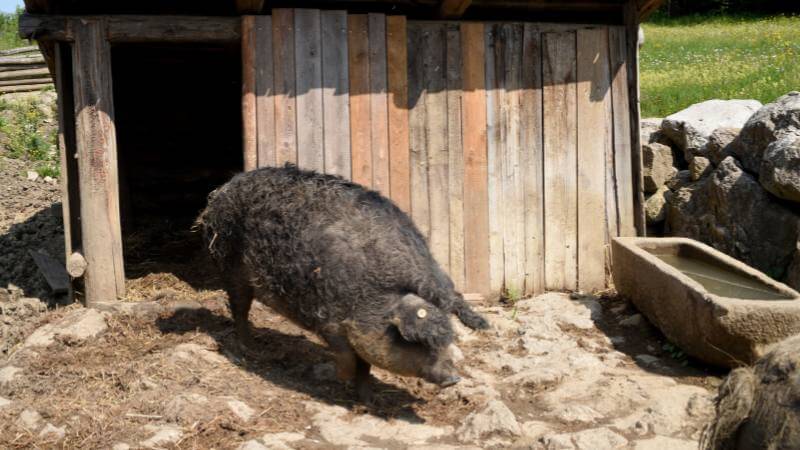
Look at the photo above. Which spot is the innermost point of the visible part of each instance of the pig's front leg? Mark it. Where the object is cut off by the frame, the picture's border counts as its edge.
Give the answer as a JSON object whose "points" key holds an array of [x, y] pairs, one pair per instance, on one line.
{"points": [[350, 367]]}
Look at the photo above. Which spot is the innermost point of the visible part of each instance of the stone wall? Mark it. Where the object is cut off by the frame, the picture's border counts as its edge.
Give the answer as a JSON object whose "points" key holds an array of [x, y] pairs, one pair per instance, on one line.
{"points": [[727, 173]]}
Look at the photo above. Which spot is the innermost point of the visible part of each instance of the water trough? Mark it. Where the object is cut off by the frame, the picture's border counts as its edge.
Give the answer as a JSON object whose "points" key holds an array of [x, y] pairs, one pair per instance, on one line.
{"points": [[714, 307]]}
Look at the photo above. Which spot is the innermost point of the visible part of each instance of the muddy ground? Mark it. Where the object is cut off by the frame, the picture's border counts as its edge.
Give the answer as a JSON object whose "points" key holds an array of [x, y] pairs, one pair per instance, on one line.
{"points": [[555, 372]]}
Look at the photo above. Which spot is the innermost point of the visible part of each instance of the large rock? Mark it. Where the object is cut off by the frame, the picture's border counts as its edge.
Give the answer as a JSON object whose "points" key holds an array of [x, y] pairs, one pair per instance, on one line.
{"points": [[730, 211], [495, 419], [780, 168], [769, 123], [759, 407], [650, 130], [691, 128], [655, 206], [716, 148], [699, 167], [657, 167]]}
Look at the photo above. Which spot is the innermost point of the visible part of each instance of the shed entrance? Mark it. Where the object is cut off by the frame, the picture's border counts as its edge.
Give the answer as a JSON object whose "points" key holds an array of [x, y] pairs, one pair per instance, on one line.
{"points": [[178, 124]]}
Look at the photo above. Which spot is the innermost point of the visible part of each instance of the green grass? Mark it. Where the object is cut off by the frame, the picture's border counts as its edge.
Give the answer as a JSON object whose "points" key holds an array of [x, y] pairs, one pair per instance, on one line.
{"points": [[9, 31], [27, 136], [691, 59]]}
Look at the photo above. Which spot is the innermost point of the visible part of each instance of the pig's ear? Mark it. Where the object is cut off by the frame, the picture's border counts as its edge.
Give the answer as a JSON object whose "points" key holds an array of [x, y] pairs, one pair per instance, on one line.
{"points": [[419, 328]]}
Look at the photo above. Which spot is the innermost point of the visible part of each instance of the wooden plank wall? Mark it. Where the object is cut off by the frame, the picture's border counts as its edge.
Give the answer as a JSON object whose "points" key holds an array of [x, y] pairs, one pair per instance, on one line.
{"points": [[507, 143]]}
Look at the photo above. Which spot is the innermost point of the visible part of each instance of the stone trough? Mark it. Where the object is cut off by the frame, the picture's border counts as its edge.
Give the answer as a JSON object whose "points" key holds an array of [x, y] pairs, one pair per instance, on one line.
{"points": [[714, 307]]}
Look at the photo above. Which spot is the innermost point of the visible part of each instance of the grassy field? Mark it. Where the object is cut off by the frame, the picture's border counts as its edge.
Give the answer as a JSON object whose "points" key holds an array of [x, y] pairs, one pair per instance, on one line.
{"points": [[691, 59]]}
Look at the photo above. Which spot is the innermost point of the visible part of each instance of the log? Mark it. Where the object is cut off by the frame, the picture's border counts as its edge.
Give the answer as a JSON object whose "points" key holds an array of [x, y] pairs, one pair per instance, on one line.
{"points": [[20, 50], [97, 164], [132, 28], [76, 265], [53, 272], [24, 88], [15, 68], [23, 74], [41, 80], [20, 61]]}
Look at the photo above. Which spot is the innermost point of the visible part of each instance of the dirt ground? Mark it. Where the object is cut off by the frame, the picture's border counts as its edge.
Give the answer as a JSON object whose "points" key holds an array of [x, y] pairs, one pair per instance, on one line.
{"points": [[554, 372]]}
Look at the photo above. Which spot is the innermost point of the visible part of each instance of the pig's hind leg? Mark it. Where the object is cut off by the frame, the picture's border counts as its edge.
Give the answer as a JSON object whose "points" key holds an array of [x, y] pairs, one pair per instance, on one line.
{"points": [[240, 299]]}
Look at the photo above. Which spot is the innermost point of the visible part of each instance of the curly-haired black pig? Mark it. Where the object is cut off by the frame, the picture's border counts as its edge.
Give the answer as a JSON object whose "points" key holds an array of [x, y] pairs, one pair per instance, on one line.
{"points": [[341, 261]]}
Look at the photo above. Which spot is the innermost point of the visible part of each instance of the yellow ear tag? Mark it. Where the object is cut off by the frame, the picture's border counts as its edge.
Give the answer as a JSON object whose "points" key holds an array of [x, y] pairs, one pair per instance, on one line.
{"points": [[422, 313]]}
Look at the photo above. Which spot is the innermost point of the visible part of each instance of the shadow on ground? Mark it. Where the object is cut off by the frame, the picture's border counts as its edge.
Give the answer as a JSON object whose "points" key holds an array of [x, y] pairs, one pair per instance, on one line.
{"points": [[290, 361]]}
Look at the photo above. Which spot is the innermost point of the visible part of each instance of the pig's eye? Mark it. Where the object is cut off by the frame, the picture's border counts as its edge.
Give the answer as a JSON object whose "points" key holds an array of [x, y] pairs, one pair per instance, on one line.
{"points": [[422, 313]]}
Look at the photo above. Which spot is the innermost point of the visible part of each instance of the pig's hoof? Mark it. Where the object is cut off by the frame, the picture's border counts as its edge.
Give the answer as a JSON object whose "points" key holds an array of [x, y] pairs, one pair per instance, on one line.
{"points": [[449, 381], [473, 320]]}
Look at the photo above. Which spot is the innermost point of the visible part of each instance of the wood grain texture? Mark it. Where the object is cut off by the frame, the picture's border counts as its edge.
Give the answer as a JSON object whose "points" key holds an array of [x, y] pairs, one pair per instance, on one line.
{"points": [[249, 120], [435, 80], [97, 163], [284, 81], [53, 271], [336, 93], [621, 134], [453, 9], [360, 144], [455, 154], [594, 141], [631, 17], [265, 93], [476, 198], [397, 79], [70, 196], [495, 143], [531, 158], [418, 150], [308, 79], [378, 106], [560, 142]]}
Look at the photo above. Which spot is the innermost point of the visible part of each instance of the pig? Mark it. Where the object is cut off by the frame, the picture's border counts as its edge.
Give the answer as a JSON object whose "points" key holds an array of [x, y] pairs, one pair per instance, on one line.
{"points": [[341, 261]]}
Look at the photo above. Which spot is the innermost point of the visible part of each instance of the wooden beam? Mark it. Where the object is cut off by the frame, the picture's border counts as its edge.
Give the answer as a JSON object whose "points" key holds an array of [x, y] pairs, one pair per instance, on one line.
{"points": [[130, 28], [249, 6], [53, 272], [249, 121], [631, 41], [97, 163], [453, 9]]}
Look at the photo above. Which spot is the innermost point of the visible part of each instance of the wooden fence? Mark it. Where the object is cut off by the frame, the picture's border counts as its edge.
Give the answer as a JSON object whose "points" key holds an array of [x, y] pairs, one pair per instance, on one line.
{"points": [[508, 143], [23, 69]]}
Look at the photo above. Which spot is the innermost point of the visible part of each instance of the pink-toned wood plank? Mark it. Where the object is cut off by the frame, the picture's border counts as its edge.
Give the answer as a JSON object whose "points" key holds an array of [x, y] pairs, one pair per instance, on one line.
{"points": [[378, 107], [397, 71], [360, 121], [249, 120], [284, 80]]}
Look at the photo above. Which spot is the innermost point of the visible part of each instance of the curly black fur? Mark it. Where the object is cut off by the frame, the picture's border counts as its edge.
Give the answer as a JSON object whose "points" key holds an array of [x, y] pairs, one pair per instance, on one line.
{"points": [[431, 327], [325, 249]]}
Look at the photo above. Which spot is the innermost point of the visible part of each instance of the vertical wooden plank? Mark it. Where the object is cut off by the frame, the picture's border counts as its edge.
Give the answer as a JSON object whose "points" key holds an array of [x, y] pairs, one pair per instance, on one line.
{"points": [[622, 144], [476, 198], [495, 141], [397, 74], [631, 16], [512, 205], [97, 163], [418, 151], [249, 93], [335, 93], [433, 60], [378, 107], [594, 141], [308, 79], [531, 158], [284, 80], [360, 145], [560, 143], [70, 199], [455, 154], [265, 92]]}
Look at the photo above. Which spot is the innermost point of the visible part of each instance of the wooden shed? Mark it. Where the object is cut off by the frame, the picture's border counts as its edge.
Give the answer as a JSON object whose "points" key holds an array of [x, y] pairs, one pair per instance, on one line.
{"points": [[507, 129]]}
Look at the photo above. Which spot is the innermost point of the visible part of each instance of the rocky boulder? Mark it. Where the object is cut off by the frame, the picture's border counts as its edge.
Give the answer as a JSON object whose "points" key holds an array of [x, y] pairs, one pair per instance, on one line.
{"points": [[657, 167], [780, 168], [655, 206], [730, 211], [769, 123], [716, 148], [650, 130], [699, 167], [691, 128]]}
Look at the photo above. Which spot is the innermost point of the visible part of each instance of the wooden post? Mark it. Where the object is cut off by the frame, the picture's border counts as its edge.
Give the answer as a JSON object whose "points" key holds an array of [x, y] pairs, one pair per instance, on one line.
{"points": [[70, 200], [631, 41], [97, 163], [249, 123]]}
